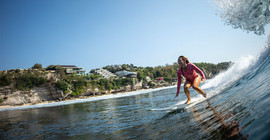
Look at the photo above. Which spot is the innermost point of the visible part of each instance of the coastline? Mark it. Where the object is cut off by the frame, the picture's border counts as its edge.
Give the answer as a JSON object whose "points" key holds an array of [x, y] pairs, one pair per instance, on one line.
{"points": [[80, 99]]}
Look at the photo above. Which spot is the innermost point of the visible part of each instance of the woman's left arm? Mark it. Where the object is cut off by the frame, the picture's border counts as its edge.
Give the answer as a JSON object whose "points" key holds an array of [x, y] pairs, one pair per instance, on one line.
{"points": [[199, 71]]}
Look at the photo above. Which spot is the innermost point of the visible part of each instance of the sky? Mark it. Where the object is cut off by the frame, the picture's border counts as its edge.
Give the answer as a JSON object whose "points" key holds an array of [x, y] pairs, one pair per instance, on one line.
{"points": [[96, 33]]}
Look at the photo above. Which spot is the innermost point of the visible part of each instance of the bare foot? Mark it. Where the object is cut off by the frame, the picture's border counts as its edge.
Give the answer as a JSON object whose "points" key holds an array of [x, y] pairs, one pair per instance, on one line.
{"points": [[188, 102]]}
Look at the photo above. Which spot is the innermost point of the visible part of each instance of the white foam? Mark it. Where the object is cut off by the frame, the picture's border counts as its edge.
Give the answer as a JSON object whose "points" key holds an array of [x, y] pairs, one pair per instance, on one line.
{"points": [[240, 68], [236, 71]]}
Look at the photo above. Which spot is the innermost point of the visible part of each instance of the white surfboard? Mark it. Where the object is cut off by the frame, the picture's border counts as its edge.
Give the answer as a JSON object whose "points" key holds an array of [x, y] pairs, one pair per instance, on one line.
{"points": [[195, 101]]}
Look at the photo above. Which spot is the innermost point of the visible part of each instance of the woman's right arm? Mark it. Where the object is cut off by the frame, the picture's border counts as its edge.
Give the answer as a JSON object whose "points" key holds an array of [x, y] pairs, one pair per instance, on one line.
{"points": [[179, 78]]}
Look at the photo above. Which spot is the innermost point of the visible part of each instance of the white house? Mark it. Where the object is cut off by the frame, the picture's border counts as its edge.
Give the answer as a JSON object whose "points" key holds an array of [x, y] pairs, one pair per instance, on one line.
{"points": [[126, 73], [105, 73]]}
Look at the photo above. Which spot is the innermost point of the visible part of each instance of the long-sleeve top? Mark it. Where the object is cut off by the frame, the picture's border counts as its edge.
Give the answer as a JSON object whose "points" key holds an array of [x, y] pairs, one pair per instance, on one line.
{"points": [[190, 74]]}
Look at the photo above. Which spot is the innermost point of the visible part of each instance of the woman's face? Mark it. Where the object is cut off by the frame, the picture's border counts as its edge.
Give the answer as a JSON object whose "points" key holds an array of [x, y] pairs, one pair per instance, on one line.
{"points": [[181, 61]]}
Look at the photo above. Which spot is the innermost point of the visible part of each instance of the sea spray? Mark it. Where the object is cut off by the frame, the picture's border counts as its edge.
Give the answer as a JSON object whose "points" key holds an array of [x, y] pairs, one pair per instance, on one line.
{"points": [[240, 68], [249, 15]]}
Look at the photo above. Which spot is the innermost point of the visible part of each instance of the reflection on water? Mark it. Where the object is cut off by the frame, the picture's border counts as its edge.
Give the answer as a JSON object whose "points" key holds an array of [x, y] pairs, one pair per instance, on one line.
{"points": [[218, 125]]}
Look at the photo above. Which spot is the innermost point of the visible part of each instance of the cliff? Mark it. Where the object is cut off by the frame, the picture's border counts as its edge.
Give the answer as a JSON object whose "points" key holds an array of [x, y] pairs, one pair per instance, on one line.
{"points": [[33, 96], [50, 93]]}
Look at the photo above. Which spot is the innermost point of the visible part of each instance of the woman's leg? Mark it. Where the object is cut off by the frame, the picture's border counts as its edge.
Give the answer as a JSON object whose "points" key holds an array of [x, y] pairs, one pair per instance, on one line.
{"points": [[187, 85], [196, 87]]}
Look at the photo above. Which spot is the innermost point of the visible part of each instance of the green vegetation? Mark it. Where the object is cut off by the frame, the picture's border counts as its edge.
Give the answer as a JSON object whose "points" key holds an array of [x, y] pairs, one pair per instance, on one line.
{"points": [[22, 80], [62, 85], [5, 79], [28, 80], [128, 67], [37, 66], [79, 84], [212, 68], [94, 77]]}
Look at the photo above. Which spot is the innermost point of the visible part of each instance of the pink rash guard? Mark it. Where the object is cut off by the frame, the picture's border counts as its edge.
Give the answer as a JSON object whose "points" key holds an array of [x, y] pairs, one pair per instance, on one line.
{"points": [[190, 74]]}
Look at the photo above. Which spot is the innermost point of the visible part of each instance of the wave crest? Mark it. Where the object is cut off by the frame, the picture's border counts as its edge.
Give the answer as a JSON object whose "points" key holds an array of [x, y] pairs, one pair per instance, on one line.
{"points": [[239, 69], [249, 15]]}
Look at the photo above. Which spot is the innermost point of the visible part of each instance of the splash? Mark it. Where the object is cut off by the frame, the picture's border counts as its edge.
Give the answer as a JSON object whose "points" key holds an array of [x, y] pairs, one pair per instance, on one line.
{"points": [[236, 71], [249, 15], [240, 68]]}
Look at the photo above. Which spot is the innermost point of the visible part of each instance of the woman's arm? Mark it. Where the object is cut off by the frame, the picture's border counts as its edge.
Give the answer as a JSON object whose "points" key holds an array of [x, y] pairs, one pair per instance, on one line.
{"points": [[198, 70], [179, 78]]}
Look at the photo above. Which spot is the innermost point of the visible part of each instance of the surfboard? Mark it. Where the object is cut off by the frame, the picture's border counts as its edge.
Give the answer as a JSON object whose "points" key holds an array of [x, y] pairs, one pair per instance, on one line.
{"points": [[195, 101], [181, 105], [171, 108], [163, 109]]}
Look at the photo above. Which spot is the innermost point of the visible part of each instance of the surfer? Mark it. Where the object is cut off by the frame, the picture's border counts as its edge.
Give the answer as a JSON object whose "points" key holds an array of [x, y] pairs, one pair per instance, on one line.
{"points": [[188, 70]]}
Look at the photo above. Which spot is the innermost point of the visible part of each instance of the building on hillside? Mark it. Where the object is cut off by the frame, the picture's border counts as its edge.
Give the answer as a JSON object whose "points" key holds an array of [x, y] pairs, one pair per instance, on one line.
{"points": [[104, 73], [148, 79], [70, 69], [124, 73], [160, 79]]}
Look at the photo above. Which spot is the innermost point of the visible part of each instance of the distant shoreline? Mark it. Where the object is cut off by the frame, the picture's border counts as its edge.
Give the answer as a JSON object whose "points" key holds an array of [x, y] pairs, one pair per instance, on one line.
{"points": [[69, 100]]}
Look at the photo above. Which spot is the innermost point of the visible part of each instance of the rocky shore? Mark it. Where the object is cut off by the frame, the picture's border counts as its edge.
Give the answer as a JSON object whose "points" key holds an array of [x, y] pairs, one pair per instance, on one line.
{"points": [[48, 94]]}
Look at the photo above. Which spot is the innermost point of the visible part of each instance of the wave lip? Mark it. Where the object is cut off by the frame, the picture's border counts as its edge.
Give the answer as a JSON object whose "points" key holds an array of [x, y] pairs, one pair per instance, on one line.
{"points": [[249, 15], [239, 69], [235, 72]]}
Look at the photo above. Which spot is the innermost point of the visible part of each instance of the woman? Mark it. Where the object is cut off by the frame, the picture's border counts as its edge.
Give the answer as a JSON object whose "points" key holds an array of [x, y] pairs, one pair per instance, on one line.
{"points": [[189, 70]]}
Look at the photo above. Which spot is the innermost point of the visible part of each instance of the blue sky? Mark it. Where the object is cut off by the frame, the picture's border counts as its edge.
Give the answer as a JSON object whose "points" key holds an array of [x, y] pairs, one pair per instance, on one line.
{"points": [[95, 33]]}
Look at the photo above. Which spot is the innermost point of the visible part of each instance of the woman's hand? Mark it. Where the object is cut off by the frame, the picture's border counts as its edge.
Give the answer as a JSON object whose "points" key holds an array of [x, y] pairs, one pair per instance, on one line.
{"points": [[203, 80]]}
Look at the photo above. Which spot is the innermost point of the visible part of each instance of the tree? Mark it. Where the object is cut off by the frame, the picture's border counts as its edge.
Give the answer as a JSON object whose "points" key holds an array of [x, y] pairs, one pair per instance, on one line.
{"points": [[60, 70], [37, 66], [28, 80], [5, 80], [62, 85], [158, 73], [124, 67]]}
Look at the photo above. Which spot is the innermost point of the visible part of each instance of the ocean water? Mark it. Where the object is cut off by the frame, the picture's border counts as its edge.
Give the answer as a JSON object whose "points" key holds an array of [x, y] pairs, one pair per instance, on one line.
{"points": [[237, 107]]}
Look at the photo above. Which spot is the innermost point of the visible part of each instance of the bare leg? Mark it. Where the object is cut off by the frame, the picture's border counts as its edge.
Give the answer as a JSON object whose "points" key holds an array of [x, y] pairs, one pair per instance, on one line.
{"points": [[196, 87], [187, 85]]}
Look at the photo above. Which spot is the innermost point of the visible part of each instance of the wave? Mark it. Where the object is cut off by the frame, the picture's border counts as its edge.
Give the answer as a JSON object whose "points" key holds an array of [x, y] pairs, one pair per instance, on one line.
{"points": [[249, 15], [236, 71]]}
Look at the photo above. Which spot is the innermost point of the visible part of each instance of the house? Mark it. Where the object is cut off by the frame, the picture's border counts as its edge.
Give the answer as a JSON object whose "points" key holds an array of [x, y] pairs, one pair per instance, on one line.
{"points": [[148, 79], [126, 74], [104, 73], [159, 79], [70, 69]]}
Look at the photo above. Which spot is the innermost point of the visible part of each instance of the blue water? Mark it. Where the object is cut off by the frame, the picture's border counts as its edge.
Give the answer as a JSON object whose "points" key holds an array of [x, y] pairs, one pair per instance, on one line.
{"points": [[236, 110]]}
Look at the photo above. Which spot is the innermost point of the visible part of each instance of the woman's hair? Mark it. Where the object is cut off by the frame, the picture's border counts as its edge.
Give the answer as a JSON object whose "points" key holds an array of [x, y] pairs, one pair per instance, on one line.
{"points": [[184, 58]]}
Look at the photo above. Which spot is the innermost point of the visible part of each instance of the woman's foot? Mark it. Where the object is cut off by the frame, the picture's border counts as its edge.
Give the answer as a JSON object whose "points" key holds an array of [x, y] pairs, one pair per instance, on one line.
{"points": [[188, 102]]}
